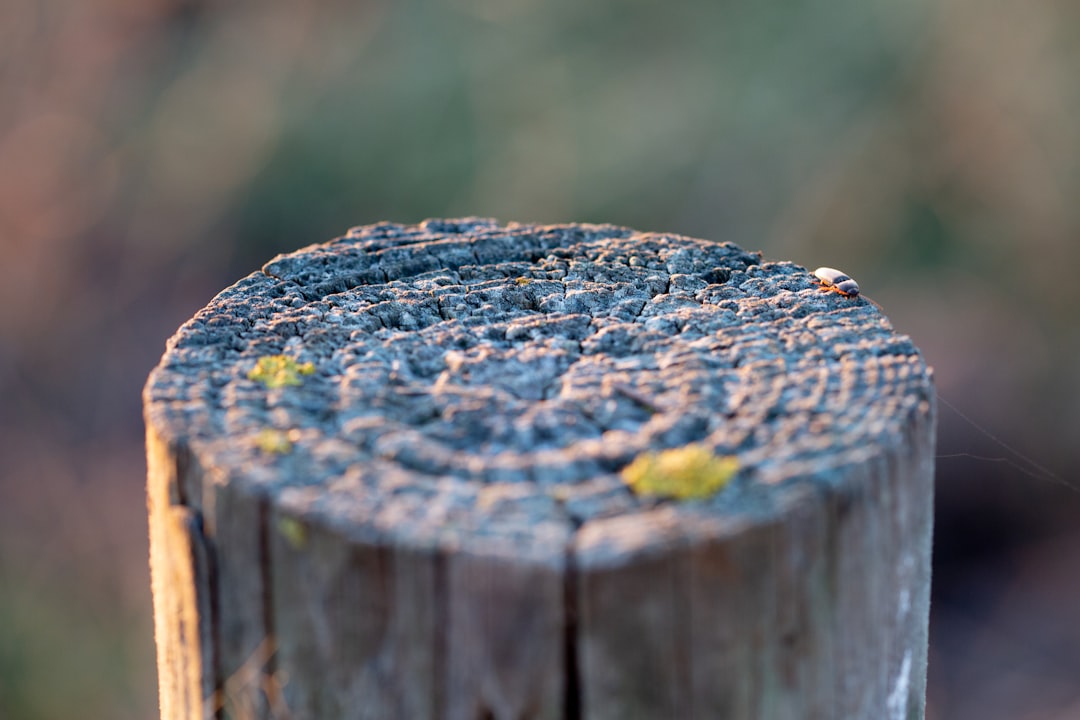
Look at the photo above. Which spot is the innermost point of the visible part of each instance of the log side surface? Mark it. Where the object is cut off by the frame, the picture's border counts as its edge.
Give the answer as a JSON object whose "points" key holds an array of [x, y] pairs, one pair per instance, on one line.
{"points": [[428, 520]]}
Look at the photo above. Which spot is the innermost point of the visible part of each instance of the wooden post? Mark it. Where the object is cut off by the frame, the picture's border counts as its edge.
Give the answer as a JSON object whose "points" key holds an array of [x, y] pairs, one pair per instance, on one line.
{"points": [[385, 481]]}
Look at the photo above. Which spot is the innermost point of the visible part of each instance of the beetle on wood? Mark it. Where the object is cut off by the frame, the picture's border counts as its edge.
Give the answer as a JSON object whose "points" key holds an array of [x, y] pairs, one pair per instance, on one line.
{"points": [[836, 281]]}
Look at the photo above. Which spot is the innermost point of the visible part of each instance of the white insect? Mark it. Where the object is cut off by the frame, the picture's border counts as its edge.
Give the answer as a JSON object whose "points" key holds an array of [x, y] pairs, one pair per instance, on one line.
{"points": [[836, 281]]}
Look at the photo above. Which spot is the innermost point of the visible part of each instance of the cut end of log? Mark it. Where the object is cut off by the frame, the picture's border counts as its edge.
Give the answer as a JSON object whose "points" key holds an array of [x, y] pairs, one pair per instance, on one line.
{"points": [[406, 449]]}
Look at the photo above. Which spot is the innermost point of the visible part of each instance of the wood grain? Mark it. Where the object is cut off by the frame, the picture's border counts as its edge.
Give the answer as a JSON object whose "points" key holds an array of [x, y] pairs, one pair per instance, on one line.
{"points": [[432, 524]]}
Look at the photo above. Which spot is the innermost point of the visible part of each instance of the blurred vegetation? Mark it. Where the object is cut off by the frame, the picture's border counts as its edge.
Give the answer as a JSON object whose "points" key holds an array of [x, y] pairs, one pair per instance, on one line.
{"points": [[153, 151]]}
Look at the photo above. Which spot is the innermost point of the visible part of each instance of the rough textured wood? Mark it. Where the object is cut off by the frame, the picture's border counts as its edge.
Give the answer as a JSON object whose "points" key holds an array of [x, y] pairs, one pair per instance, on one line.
{"points": [[439, 529]]}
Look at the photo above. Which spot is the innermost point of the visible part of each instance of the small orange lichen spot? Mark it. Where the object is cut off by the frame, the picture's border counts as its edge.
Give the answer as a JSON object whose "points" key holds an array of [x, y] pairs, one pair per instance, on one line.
{"points": [[276, 371], [275, 442], [686, 473], [294, 532], [522, 281]]}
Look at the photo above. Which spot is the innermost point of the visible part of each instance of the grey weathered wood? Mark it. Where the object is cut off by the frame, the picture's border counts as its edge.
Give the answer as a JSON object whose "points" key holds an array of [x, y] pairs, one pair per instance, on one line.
{"points": [[446, 534]]}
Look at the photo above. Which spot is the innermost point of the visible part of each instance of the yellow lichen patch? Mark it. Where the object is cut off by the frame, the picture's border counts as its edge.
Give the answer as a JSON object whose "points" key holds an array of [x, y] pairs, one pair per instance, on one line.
{"points": [[294, 532], [686, 473], [279, 370], [522, 281], [275, 442]]}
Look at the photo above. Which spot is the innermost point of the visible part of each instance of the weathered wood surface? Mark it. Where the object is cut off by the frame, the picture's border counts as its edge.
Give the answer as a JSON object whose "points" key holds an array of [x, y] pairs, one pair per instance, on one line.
{"points": [[440, 529]]}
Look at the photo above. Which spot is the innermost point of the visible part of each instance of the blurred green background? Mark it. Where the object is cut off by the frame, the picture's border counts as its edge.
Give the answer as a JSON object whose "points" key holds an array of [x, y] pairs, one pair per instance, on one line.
{"points": [[154, 151]]}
